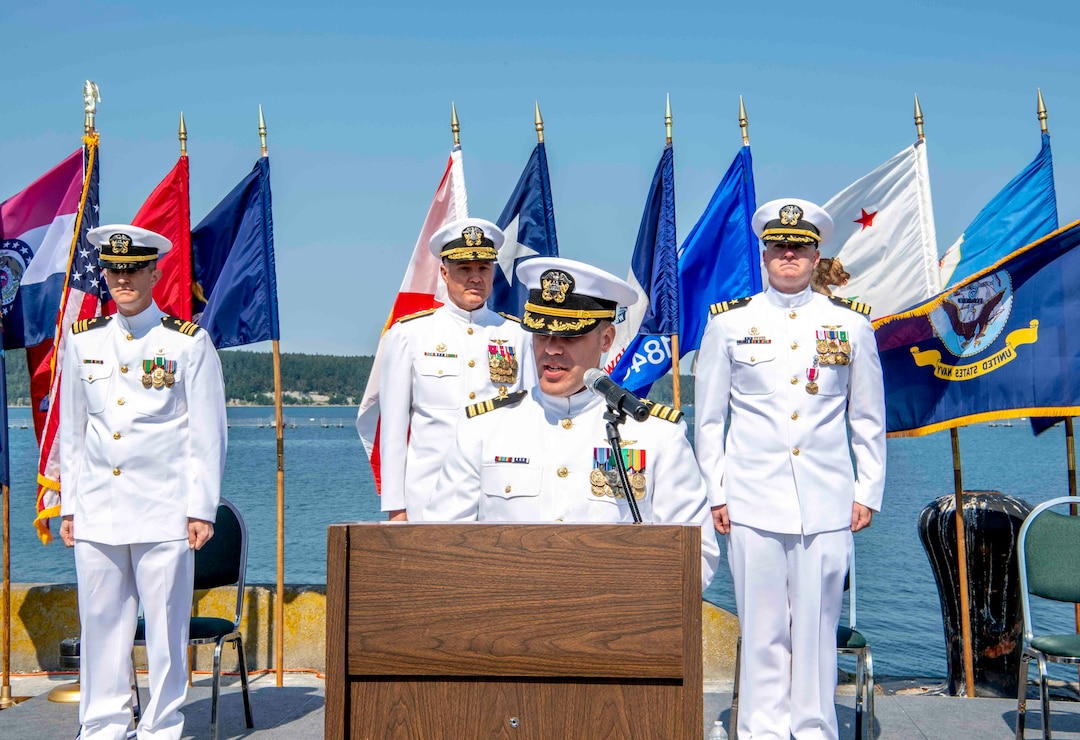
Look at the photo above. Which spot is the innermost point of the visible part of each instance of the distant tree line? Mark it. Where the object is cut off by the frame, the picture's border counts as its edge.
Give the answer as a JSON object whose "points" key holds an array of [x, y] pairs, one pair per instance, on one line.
{"points": [[305, 379]]}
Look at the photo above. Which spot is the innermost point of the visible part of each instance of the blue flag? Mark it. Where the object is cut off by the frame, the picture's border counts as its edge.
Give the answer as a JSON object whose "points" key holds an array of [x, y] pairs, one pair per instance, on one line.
{"points": [[528, 220], [233, 250], [1024, 210], [1004, 343], [654, 274]]}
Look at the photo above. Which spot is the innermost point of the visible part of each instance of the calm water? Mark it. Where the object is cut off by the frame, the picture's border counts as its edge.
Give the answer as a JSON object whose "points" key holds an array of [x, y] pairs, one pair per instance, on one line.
{"points": [[327, 479]]}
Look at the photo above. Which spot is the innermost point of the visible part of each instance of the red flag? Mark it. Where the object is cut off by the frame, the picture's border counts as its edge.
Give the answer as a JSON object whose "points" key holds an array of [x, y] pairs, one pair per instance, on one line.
{"points": [[168, 212], [420, 290]]}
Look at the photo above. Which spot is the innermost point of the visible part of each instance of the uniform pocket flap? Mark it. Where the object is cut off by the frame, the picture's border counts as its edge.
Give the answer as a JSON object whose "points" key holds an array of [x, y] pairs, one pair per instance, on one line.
{"points": [[510, 480]]}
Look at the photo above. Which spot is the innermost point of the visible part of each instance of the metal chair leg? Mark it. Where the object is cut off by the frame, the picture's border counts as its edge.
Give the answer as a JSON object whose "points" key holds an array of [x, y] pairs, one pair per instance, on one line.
{"points": [[244, 680], [871, 728], [860, 687], [215, 692], [734, 718], [1021, 695], [1044, 696]]}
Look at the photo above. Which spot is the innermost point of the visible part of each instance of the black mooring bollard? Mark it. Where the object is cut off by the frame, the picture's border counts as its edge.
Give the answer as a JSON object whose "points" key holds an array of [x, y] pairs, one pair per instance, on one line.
{"points": [[992, 523]]}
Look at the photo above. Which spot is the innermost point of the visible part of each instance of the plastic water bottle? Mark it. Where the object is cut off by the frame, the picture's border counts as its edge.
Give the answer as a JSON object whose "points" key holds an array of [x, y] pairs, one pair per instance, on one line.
{"points": [[718, 732]]}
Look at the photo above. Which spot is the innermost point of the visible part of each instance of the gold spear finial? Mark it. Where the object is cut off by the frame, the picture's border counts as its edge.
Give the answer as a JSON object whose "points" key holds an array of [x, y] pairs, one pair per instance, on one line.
{"points": [[539, 124], [262, 130], [1042, 113], [454, 125], [919, 118], [182, 133], [91, 97], [744, 123], [667, 118]]}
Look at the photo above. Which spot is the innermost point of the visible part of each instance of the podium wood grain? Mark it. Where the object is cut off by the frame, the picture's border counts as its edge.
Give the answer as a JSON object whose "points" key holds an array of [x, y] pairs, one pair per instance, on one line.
{"points": [[513, 630]]}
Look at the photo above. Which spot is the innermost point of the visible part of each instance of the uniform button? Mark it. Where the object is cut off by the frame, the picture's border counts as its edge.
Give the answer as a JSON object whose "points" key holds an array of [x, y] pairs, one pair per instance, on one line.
{"points": [[792, 315], [469, 330], [471, 395], [123, 368], [567, 423], [89, 377], [508, 489], [795, 416], [120, 401], [794, 380], [795, 452], [128, 337], [440, 372], [116, 435], [753, 359], [794, 345], [563, 472], [472, 363], [116, 471]]}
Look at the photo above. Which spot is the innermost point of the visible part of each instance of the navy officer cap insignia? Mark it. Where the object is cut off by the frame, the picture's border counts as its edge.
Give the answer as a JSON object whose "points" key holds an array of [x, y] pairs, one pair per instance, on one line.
{"points": [[555, 284]]}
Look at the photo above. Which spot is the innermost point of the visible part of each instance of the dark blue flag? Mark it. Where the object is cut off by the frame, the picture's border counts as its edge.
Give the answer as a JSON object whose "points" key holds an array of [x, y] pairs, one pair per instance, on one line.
{"points": [[644, 329], [233, 251], [528, 220], [1004, 343], [720, 258]]}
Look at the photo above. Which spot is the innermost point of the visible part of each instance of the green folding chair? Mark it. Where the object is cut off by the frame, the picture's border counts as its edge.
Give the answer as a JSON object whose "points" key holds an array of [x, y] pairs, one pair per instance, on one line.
{"points": [[849, 641], [1049, 552]]}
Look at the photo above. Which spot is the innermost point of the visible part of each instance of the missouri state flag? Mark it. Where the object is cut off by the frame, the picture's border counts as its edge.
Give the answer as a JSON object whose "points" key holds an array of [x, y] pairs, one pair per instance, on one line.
{"points": [[1004, 343]]}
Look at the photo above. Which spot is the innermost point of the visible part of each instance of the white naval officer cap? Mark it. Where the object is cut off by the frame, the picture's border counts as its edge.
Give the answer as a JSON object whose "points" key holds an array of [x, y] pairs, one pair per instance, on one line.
{"points": [[127, 247], [792, 220], [467, 239], [567, 298]]}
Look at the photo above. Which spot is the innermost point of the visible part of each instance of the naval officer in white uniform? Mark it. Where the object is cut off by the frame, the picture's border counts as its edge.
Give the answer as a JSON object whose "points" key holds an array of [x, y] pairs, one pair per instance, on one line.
{"points": [[796, 377], [142, 450], [435, 363], [543, 456]]}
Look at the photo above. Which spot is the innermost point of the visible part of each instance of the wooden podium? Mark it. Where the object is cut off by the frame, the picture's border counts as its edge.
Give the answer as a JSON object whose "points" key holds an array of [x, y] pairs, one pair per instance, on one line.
{"points": [[513, 631]]}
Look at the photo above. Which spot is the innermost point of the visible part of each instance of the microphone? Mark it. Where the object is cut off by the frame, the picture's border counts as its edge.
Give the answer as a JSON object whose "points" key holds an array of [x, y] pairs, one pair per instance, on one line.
{"points": [[616, 396]]}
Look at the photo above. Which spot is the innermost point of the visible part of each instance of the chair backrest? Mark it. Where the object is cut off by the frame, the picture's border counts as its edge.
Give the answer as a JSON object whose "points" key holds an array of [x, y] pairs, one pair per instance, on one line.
{"points": [[1049, 555], [223, 560]]}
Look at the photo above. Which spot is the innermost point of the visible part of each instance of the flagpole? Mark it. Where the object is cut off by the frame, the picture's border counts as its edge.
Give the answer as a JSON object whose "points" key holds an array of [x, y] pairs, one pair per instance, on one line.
{"points": [[279, 603], [743, 123], [539, 121], [961, 538], [182, 134], [455, 127], [676, 384], [6, 699]]}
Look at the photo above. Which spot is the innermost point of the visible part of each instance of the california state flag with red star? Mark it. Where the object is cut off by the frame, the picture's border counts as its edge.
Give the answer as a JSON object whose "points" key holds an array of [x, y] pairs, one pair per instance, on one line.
{"points": [[885, 235]]}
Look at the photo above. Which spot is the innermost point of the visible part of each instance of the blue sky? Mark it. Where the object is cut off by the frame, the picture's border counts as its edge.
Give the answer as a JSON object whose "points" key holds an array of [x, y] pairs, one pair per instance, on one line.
{"points": [[357, 102]]}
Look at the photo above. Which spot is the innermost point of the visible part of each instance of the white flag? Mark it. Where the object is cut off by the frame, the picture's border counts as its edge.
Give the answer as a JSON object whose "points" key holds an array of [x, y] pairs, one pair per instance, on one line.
{"points": [[885, 235], [421, 289]]}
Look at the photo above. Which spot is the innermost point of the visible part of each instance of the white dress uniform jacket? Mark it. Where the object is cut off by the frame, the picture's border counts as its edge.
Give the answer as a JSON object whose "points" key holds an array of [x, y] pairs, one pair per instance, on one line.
{"points": [[532, 462], [136, 462], [784, 463], [434, 365]]}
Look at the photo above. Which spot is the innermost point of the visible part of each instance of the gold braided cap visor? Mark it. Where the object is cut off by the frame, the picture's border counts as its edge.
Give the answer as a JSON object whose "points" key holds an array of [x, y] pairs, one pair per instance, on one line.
{"points": [[795, 236], [458, 254]]}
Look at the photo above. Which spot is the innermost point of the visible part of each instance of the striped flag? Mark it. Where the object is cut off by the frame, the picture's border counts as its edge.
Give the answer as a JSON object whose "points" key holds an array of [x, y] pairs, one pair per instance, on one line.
{"points": [[420, 290]]}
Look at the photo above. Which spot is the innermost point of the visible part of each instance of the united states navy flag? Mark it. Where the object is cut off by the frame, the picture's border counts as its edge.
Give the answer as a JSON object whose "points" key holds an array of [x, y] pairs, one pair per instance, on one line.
{"points": [[528, 220], [1003, 343]]}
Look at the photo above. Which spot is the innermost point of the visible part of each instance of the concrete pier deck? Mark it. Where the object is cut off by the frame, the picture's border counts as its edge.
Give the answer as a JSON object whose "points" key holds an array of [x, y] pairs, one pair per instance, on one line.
{"points": [[907, 710]]}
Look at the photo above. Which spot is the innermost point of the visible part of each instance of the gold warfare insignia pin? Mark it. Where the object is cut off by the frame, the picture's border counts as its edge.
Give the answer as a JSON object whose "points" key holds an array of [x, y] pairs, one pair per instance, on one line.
{"points": [[440, 347]]}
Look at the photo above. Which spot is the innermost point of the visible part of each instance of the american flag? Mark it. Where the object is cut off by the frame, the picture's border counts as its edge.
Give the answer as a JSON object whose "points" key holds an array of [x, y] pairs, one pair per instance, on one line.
{"points": [[85, 296]]}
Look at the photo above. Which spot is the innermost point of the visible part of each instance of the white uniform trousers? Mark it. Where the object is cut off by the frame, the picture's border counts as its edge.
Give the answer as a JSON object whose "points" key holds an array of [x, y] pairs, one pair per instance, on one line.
{"points": [[789, 591], [112, 580]]}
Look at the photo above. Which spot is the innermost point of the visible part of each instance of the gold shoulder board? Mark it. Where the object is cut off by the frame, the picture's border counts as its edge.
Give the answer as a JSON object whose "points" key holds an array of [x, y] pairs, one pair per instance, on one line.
{"points": [[719, 308], [666, 413], [416, 315], [855, 306], [476, 409], [184, 327], [510, 316], [87, 324]]}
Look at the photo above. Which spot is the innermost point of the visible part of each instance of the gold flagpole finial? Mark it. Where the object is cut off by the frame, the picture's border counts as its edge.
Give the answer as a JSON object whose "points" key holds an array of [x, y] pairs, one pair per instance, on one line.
{"points": [[539, 120], [667, 118], [454, 125], [1042, 113], [91, 97], [262, 130], [919, 119], [744, 123], [182, 133]]}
